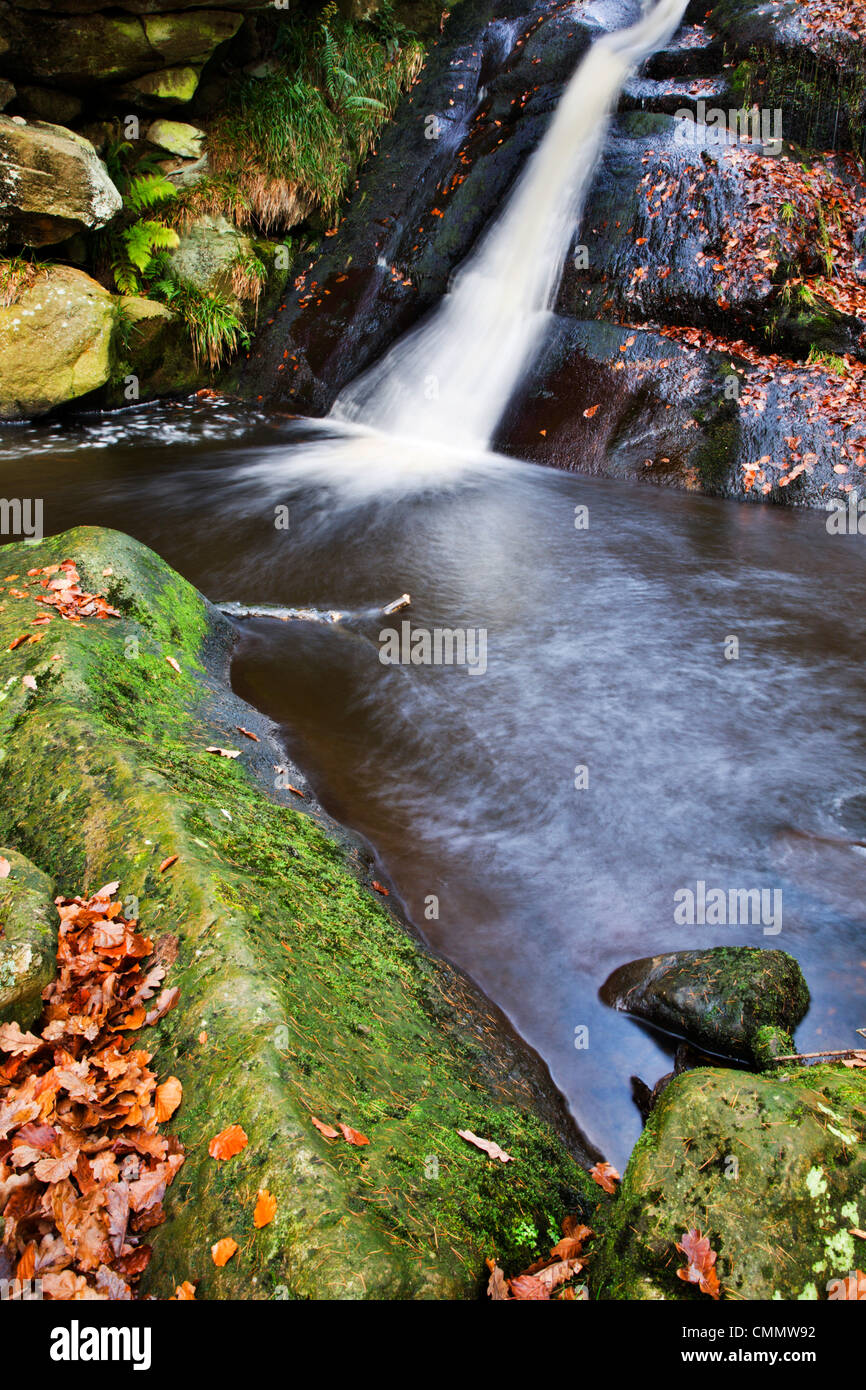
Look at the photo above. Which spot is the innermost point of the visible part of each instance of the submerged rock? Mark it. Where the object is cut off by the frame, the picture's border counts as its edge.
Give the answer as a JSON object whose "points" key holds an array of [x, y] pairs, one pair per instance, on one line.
{"points": [[301, 992], [719, 999], [28, 941], [771, 1168]]}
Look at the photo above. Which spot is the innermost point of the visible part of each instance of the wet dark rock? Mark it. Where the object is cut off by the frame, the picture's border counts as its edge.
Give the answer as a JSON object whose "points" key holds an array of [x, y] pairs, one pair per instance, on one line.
{"points": [[491, 82], [718, 999]]}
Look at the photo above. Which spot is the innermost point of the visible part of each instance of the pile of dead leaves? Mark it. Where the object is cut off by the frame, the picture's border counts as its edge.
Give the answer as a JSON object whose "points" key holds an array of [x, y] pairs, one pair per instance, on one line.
{"points": [[825, 21], [83, 1168], [65, 594], [553, 1278]]}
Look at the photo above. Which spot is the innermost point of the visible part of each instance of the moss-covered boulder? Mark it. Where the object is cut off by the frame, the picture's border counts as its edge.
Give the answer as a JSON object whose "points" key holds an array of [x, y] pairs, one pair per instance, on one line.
{"points": [[153, 353], [28, 938], [52, 183], [55, 342], [301, 993], [177, 137], [208, 247], [771, 1168], [719, 999], [159, 90], [74, 51]]}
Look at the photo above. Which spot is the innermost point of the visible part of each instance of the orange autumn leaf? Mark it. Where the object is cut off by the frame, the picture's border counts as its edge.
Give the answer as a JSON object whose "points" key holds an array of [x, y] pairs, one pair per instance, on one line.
{"points": [[701, 1259], [328, 1130], [266, 1209], [590, 411], [353, 1136], [526, 1287], [184, 1293], [168, 1097], [606, 1176], [134, 1019], [222, 1252], [167, 863], [228, 1142]]}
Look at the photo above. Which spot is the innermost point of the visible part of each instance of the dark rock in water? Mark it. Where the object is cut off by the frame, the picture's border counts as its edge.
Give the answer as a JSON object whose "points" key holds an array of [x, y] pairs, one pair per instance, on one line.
{"points": [[724, 999]]}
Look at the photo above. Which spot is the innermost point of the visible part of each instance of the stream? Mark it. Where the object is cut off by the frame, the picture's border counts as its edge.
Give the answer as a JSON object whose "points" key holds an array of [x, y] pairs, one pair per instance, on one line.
{"points": [[660, 692], [605, 649]]}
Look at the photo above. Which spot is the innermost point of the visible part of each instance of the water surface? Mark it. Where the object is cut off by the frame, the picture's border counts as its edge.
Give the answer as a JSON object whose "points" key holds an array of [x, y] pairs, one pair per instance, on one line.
{"points": [[605, 649]]}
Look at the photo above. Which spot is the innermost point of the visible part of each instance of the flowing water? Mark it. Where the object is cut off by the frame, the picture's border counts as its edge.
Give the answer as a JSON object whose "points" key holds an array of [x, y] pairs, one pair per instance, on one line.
{"points": [[451, 379], [538, 810], [605, 648]]}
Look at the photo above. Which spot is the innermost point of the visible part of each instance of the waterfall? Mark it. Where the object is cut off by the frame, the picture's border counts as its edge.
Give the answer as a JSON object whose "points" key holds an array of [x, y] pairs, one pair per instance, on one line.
{"points": [[449, 379]]}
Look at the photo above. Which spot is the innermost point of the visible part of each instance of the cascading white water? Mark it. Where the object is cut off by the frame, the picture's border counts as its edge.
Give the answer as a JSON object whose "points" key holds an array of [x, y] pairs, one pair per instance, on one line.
{"points": [[449, 380]]}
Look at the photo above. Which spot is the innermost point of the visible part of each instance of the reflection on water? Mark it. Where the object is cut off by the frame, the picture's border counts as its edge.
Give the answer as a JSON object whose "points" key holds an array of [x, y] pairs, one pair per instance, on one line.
{"points": [[605, 649]]}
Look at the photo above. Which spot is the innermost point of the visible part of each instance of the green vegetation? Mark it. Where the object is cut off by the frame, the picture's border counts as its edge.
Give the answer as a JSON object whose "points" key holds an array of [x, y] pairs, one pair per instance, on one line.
{"points": [[215, 328], [300, 993], [138, 249], [290, 140], [828, 361], [16, 276]]}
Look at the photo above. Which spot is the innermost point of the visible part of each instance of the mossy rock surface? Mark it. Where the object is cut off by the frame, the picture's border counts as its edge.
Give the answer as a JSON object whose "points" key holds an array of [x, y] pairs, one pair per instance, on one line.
{"points": [[771, 1168], [718, 999], [55, 342], [28, 939], [301, 993]]}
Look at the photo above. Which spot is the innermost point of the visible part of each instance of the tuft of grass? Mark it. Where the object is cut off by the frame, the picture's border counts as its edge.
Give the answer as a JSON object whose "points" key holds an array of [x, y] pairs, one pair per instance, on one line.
{"points": [[16, 276], [827, 361], [216, 331], [211, 196], [248, 278], [290, 141]]}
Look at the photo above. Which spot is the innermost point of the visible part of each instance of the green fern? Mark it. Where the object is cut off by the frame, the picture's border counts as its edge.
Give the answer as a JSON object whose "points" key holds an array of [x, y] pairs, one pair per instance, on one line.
{"points": [[145, 191]]}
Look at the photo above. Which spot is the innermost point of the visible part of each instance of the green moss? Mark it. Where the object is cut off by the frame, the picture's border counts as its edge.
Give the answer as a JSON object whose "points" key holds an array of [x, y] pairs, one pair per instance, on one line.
{"points": [[788, 1149], [314, 1000]]}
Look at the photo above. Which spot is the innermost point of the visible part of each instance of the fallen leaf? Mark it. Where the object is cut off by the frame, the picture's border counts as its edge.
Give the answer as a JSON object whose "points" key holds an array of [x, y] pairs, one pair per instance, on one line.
{"points": [[5, 867], [228, 1142], [526, 1287], [488, 1146], [497, 1286], [588, 414], [246, 733], [379, 889], [173, 664], [168, 1097], [266, 1209], [353, 1136], [167, 863], [222, 1252], [701, 1259], [606, 1176], [224, 752], [184, 1292], [328, 1130]]}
